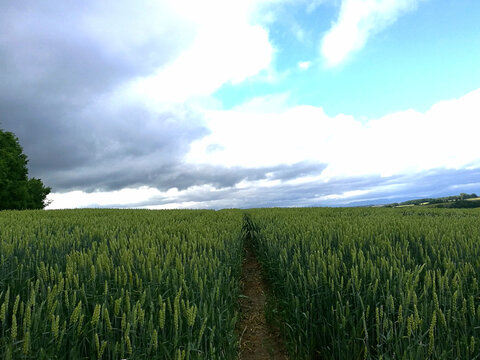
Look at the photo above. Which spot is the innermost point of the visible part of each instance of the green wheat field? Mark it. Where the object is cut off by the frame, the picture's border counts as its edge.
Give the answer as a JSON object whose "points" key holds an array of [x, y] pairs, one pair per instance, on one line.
{"points": [[347, 283]]}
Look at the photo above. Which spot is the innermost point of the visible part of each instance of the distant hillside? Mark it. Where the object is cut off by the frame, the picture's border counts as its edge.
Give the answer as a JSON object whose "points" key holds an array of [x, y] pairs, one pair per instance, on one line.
{"points": [[458, 201]]}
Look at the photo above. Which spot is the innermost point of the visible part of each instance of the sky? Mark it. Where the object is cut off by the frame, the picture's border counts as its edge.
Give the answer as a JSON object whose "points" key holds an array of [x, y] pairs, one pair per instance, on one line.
{"points": [[237, 104]]}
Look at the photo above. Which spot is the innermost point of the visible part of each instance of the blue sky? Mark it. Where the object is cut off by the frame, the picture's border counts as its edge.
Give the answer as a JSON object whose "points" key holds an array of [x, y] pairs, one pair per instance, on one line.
{"points": [[219, 104], [428, 54]]}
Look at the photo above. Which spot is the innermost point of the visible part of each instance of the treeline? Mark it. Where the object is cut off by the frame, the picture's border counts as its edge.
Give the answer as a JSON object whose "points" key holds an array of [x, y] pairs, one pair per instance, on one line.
{"points": [[17, 191], [441, 200], [459, 204]]}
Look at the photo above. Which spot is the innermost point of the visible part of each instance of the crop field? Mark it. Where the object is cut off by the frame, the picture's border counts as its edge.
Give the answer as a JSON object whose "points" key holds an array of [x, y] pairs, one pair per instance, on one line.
{"points": [[358, 283], [374, 283], [111, 284]]}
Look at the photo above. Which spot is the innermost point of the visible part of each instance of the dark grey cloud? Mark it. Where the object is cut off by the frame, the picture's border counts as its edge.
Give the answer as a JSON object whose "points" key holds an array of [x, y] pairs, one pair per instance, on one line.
{"points": [[61, 65], [281, 195], [84, 47], [431, 183], [135, 172], [382, 190]]}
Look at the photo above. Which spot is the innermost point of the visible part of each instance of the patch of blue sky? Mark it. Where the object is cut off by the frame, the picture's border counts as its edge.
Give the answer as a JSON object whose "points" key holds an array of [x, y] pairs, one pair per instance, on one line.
{"points": [[426, 56], [294, 33]]}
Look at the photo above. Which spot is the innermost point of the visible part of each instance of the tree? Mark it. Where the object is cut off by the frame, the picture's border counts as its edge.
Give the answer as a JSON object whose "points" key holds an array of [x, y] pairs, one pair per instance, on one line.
{"points": [[37, 194], [16, 190]]}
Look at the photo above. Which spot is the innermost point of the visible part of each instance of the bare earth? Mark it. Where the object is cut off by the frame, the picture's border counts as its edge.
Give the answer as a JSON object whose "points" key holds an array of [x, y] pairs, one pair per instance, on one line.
{"points": [[257, 340]]}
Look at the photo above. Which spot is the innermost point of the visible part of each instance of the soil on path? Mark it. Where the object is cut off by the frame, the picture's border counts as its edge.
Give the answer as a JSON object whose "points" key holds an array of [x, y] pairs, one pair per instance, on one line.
{"points": [[258, 341]]}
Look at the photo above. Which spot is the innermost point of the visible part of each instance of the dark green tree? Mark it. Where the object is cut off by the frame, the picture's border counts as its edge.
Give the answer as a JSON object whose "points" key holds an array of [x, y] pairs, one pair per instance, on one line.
{"points": [[37, 193], [16, 190]]}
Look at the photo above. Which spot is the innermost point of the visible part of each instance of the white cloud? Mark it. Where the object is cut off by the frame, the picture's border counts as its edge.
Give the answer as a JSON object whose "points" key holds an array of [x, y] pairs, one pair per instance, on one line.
{"points": [[274, 103], [301, 133], [298, 32], [445, 136], [357, 21], [142, 197], [230, 46], [76, 199], [304, 65], [345, 195]]}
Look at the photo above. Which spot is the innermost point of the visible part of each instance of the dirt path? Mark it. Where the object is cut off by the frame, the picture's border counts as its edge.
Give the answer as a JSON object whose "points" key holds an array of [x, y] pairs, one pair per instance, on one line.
{"points": [[257, 340]]}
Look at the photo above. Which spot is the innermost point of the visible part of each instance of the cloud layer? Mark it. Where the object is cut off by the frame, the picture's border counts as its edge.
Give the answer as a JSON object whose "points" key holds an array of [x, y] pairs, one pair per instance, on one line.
{"points": [[352, 191], [301, 157], [114, 103]]}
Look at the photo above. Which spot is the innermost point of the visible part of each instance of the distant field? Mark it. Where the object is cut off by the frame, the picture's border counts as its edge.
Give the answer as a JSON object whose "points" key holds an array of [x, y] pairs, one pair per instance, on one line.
{"points": [[347, 283]]}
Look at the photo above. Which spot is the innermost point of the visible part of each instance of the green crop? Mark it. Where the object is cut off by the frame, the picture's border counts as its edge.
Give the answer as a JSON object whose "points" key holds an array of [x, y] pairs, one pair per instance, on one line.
{"points": [[374, 283], [358, 283], [111, 284]]}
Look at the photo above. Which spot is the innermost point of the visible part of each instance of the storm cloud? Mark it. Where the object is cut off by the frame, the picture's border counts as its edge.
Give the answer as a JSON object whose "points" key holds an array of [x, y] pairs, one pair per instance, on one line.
{"points": [[61, 68]]}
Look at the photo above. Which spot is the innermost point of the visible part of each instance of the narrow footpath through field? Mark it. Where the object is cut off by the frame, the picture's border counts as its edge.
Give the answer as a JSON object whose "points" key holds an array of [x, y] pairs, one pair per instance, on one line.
{"points": [[258, 341]]}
